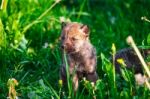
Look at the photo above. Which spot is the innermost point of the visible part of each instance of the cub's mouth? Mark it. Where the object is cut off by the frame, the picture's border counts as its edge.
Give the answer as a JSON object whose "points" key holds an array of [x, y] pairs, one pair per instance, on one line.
{"points": [[68, 49]]}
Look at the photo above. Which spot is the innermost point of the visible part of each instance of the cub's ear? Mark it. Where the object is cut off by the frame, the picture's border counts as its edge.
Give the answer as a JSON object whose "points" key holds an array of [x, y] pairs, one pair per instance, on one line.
{"points": [[63, 24], [85, 29]]}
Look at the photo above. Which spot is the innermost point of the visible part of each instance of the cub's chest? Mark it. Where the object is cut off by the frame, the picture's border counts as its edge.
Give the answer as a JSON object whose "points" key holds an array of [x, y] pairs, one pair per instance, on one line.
{"points": [[79, 63]]}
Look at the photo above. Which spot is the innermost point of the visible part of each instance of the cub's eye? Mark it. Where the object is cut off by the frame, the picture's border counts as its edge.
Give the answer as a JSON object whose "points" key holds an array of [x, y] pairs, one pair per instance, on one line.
{"points": [[74, 39]]}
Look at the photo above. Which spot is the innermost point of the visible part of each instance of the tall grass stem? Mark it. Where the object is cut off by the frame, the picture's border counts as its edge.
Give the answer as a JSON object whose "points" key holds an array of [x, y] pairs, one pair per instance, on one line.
{"points": [[39, 18], [131, 42]]}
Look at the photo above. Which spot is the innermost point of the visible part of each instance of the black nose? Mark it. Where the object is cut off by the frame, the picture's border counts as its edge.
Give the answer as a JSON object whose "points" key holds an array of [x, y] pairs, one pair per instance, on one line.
{"points": [[62, 46]]}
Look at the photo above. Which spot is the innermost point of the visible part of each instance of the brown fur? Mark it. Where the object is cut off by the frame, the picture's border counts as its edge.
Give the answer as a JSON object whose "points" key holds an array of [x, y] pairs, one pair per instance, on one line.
{"points": [[131, 59], [81, 55], [132, 62]]}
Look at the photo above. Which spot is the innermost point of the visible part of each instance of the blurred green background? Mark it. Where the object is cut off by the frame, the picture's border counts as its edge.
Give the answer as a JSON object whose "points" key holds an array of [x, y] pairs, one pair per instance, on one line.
{"points": [[30, 30]]}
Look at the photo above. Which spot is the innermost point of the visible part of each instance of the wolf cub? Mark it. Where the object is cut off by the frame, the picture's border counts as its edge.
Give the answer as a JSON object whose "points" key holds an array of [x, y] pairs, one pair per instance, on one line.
{"points": [[80, 53]]}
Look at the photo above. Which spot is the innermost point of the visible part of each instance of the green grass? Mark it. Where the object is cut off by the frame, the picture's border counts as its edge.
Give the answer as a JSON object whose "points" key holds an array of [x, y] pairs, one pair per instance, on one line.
{"points": [[30, 53]]}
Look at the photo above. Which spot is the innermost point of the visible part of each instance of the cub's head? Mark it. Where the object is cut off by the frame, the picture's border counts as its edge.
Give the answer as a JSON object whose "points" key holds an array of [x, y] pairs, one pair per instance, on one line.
{"points": [[73, 36]]}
